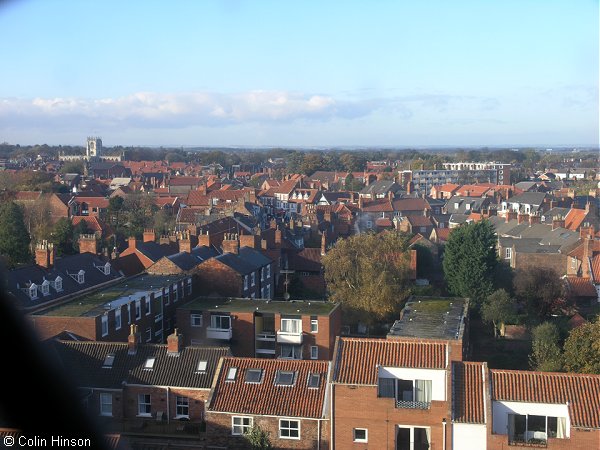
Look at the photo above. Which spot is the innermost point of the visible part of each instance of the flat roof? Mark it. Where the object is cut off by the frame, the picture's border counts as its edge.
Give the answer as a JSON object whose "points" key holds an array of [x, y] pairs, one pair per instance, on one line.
{"points": [[103, 300], [305, 307], [431, 317]]}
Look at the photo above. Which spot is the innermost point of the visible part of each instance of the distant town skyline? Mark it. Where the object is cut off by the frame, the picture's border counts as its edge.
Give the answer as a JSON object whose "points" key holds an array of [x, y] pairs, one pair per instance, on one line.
{"points": [[310, 74]]}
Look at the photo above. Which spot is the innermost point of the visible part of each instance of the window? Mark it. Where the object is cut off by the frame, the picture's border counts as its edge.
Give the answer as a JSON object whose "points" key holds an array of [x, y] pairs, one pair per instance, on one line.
{"points": [[46, 288], [148, 306], [268, 267], [148, 334], [289, 429], [290, 352], [107, 268], [105, 404], [573, 263], [413, 438], [262, 274], [231, 374], [158, 318], [240, 425], [508, 253], [81, 276], [360, 435], [118, 318], [268, 291], [201, 368], [33, 292], [196, 320], [144, 406], [314, 352], [58, 284], [284, 378], [369, 224], [422, 229], [182, 407], [129, 314], [525, 427], [220, 322], [175, 292], [253, 376], [314, 325], [252, 278], [189, 286], [314, 380], [149, 364], [408, 393], [104, 325], [108, 361], [245, 282], [138, 309], [293, 326]]}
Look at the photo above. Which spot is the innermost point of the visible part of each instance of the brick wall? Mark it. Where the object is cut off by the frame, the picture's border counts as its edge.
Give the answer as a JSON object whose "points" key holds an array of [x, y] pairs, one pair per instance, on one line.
{"points": [[580, 440], [216, 277], [160, 401], [555, 261]]}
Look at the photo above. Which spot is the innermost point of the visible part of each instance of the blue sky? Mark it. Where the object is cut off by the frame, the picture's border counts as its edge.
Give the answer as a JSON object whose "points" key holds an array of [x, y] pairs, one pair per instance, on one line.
{"points": [[303, 73]]}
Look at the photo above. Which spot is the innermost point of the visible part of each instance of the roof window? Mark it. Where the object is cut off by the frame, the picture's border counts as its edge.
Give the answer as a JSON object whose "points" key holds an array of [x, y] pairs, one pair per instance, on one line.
{"points": [[284, 378], [201, 366], [149, 365], [253, 375], [231, 374], [314, 380], [108, 361]]}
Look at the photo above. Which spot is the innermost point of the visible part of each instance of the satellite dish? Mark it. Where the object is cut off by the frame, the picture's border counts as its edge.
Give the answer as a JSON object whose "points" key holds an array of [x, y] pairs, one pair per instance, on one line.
{"points": [[286, 296]]}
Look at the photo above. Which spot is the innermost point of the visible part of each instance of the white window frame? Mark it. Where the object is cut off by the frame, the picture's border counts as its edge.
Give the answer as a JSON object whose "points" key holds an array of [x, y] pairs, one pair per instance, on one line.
{"points": [[189, 286], [314, 325], [288, 325], [107, 268], [508, 253], [182, 404], [144, 400], [105, 401], [268, 291], [268, 267], [196, 320], [412, 434], [253, 279], [104, 325], [81, 276], [241, 424], [138, 309], [314, 352], [175, 292], [245, 282], [58, 284], [45, 288], [289, 429], [231, 374], [355, 439], [33, 292], [215, 321], [148, 305], [118, 319], [149, 334]]}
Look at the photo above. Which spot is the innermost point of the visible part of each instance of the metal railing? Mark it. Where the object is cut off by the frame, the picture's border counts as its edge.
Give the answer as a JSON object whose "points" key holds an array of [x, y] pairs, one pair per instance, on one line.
{"points": [[412, 404]]}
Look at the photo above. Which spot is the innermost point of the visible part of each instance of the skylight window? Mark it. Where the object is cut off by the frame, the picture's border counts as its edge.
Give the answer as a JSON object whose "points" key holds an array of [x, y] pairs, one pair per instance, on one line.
{"points": [[253, 375], [149, 364], [201, 367], [314, 380], [231, 374], [108, 361], [283, 378]]}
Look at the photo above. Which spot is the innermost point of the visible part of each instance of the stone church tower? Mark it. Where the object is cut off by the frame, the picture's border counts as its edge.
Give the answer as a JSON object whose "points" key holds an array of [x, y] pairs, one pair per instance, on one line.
{"points": [[94, 148]]}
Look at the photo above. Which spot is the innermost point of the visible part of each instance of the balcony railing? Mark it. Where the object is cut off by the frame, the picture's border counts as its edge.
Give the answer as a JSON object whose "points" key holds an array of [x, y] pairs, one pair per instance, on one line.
{"points": [[519, 441], [412, 404], [157, 427], [268, 336], [219, 333], [285, 337]]}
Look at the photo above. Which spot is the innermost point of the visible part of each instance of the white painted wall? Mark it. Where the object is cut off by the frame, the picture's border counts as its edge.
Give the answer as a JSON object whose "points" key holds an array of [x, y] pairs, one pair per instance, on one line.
{"points": [[437, 377], [469, 436], [501, 410]]}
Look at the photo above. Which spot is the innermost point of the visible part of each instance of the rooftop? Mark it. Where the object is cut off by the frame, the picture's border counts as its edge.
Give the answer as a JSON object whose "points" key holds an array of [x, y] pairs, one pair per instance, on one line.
{"points": [[431, 318], [111, 297], [309, 307]]}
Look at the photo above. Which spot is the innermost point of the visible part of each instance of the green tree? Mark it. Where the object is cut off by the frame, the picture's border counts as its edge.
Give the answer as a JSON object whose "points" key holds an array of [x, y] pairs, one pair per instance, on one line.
{"points": [[72, 167], [369, 275], [62, 236], [498, 308], [258, 439], [582, 349], [470, 261], [14, 239], [541, 289], [545, 349]]}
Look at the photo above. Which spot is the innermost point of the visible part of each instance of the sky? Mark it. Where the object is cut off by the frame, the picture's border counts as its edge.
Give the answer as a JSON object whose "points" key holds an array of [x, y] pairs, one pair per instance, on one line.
{"points": [[304, 73]]}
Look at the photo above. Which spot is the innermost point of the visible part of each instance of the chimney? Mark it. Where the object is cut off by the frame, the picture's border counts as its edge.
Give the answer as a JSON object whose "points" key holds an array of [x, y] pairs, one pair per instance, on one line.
{"points": [[409, 187], [88, 244], [263, 244], [273, 223], [250, 240], [588, 253], [133, 339], [360, 202], [115, 253], [324, 243], [510, 215], [586, 230], [521, 218], [164, 239], [149, 235], [131, 241], [534, 219], [45, 254], [558, 222], [413, 264], [174, 343], [185, 243], [231, 244], [278, 237]]}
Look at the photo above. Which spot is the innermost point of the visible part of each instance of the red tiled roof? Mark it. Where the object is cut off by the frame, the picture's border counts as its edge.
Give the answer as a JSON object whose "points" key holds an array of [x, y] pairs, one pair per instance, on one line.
{"points": [[575, 218], [410, 204], [596, 269], [358, 358], [185, 181], [197, 198], [448, 187], [442, 233], [232, 195], [420, 221], [468, 392], [472, 190], [581, 392], [27, 196], [265, 397], [379, 205], [162, 201], [577, 252], [285, 187], [576, 321], [96, 202], [581, 287], [384, 222], [91, 222], [306, 260]]}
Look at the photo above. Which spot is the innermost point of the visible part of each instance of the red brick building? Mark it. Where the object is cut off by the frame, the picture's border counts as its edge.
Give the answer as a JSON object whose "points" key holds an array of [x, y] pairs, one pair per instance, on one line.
{"points": [[263, 329]]}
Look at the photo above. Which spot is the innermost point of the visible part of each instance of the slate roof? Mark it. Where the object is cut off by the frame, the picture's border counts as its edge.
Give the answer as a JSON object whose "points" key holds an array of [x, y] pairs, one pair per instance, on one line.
{"points": [[530, 198], [187, 261], [298, 400], [357, 359], [380, 187], [248, 260], [468, 392], [156, 251], [306, 260], [473, 203], [84, 361], [580, 392]]}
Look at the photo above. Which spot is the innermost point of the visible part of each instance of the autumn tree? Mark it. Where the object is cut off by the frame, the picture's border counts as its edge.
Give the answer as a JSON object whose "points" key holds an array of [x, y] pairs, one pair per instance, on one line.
{"points": [[14, 239], [498, 308], [541, 289], [470, 261], [545, 349], [369, 275], [258, 439], [582, 349]]}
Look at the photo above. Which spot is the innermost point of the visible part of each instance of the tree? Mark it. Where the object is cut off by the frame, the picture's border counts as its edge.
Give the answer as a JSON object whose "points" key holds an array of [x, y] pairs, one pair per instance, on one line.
{"points": [[498, 308], [582, 349], [541, 289], [545, 350], [369, 275], [62, 236], [72, 167], [258, 439], [14, 239], [470, 261]]}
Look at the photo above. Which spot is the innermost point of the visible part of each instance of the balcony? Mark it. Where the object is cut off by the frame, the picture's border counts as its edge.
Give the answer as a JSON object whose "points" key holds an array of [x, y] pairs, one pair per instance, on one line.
{"points": [[139, 426], [412, 405], [223, 334], [267, 336], [285, 337]]}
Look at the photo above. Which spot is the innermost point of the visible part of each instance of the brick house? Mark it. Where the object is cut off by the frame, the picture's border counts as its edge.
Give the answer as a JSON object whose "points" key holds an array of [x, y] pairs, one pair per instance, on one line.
{"points": [[263, 329], [153, 394], [287, 399]]}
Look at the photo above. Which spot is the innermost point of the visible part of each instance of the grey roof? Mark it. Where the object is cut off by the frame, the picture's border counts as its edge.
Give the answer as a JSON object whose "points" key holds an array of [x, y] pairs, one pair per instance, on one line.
{"points": [[561, 237], [187, 261], [548, 215], [533, 246], [458, 218], [254, 257], [84, 361], [458, 204], [529, 198], [380, 187], [155, 251], [526, 185]]}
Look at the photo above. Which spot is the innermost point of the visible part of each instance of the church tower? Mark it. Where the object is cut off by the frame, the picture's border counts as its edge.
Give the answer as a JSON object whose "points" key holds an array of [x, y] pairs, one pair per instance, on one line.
{"points": [[94, 148]]}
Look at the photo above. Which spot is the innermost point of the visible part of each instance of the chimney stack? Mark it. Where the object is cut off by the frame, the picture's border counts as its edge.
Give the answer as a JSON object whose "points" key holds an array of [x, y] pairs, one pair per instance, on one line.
{"points": [[521, 218], [231, 244], [558, 222], [133, 339], [534, 218], [278, 237], [45, 254], [149, 235], [185, 243], [250, 240], [131, 242], [88, 243], [174, 343], [510, 215], [588, 253], [324, 243]]}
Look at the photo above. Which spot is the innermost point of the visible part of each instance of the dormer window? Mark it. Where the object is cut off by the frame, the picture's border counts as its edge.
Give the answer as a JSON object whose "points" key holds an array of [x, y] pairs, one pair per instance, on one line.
{"points": [[58, 284], [107, 268], [46, 288], [33, 292], [81, 276]]}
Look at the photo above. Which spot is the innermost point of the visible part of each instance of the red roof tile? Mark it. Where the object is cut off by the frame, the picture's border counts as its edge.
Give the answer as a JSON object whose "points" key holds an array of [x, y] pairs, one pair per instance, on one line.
{"points": [[357, 359], [410, 204], [197, 198], [379, 205], [577, 252], [581, 392], [420, 221], [596, 269], [384, 222], [575, 218], [468, 392], [265, 397], [442, 233], [581, 287]]}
